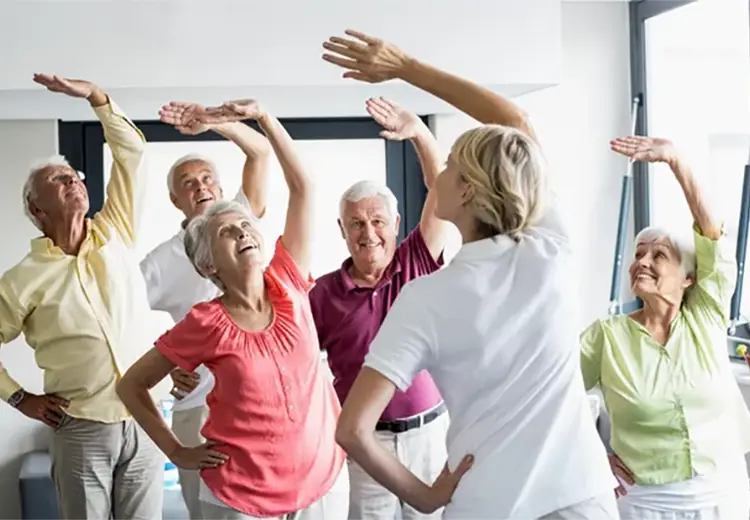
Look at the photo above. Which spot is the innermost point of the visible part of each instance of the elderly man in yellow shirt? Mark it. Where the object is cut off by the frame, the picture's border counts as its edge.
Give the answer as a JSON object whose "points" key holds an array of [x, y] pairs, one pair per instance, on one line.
{"points": [[80, 300], [680, 428]]}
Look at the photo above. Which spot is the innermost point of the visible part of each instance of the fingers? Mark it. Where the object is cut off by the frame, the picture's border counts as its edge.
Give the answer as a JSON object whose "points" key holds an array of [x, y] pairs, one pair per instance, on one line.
{"points": [[620, 492], [359, 76], [465, 465], [353, 46], [371, 40], [341, 62], [59, 401], [379, 107], [621, 470]]}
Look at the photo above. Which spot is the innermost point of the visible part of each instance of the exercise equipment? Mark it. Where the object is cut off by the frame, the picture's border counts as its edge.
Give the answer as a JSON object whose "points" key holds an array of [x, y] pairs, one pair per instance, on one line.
{"points": [[739, 330], [615, 305]]}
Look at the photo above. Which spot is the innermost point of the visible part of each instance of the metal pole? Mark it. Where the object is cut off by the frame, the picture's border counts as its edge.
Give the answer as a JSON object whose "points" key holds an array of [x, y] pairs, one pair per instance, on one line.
{"points": [[622, 224]]}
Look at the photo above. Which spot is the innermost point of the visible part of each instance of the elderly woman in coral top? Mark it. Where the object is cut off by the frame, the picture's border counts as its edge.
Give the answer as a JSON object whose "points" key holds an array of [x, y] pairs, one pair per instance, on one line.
{"points": [[270, 450], [680, 427]]}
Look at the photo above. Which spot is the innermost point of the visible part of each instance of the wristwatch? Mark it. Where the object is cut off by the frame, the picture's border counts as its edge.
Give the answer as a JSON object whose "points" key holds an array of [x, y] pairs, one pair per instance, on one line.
{"points": [[15, 399]]}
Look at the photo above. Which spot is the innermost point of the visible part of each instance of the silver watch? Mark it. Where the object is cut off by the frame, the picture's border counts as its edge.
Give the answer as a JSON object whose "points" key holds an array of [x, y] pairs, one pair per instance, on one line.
{"points": [[15, 399]]}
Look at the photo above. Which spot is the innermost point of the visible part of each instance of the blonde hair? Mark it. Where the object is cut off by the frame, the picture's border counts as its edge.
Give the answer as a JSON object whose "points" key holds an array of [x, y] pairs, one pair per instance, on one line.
{"points": [[506, 170]]}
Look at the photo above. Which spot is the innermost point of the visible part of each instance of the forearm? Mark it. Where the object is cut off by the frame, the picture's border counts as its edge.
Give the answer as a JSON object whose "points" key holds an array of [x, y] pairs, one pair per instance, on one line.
{"points": [[137, 400], [429, 155], [386, 469], [297, 179], [123, 137], [253, 144], [709, 226], [474, 100]]}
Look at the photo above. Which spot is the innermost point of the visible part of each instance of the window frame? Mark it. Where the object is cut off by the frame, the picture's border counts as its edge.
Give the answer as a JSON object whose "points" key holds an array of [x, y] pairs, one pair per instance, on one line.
{"points": [[82, 143]]}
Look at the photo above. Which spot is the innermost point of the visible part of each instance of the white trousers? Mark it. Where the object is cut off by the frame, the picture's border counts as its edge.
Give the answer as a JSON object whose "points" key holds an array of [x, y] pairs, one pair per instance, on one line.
{"points": [[186, 425], [422, 451], [733, 507], [333, 506], [599, 508]]}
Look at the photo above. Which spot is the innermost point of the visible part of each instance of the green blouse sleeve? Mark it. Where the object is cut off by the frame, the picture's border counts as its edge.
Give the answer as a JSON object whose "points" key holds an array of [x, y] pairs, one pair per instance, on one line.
{"points": [[592, 344], [716, 276]]}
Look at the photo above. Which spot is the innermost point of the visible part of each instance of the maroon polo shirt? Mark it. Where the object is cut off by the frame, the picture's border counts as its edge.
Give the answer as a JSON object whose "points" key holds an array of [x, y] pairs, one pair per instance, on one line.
{"points": [[348, 317]]}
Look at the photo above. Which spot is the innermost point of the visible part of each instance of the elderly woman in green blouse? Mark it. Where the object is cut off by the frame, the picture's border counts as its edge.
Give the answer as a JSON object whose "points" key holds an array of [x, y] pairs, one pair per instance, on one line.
{"points": [[680, 427]]}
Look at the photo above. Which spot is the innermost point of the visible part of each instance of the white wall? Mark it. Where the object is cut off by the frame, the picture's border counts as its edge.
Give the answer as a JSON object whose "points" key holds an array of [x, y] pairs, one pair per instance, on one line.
{"points": [[204, 51], [575, 121], [21, 143]]}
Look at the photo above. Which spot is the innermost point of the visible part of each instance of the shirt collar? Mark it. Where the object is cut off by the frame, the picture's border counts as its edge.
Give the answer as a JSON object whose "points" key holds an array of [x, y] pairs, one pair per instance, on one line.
{"points": [[483, 248], [45, 246], [348, 282]]}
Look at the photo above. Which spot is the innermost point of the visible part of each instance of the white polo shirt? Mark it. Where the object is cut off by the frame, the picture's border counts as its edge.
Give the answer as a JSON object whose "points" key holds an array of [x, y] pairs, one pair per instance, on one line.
{"points": [[496, 329], [174, 286]]}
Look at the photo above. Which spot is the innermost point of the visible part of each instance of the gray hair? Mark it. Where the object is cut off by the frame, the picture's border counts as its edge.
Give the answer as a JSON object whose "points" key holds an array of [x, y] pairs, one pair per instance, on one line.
{"points": [[186, 159], [366, 189], [29, 187], [197, 239], [685, 248]]}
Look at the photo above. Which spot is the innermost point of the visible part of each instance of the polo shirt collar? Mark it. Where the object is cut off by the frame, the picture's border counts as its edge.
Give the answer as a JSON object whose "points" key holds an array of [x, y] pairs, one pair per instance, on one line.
{"points": [[348, 282], [480, 249]]}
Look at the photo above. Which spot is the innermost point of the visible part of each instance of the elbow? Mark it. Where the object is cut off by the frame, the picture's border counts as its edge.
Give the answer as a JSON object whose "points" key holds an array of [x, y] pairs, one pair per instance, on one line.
{"points": [[349, 435], [303, 187]]}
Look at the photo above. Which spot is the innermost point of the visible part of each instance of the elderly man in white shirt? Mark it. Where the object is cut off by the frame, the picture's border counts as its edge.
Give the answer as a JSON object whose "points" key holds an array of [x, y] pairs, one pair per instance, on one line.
{"points": [[173, 284], [494, 328]]}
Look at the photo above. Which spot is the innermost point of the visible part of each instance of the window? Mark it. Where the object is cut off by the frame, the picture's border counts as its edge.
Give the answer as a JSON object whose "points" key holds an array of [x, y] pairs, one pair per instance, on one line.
{"points": [[697, 78], [337, 152]]}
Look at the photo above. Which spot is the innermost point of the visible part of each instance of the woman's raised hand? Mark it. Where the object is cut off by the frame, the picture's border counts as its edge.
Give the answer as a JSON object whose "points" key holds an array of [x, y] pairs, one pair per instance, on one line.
{"points": [[649, 149], [365, 57]]}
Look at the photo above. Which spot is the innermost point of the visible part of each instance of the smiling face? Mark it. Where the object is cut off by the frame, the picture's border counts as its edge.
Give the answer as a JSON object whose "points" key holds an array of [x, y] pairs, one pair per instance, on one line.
{"points": [[59, 193], [657, 271], [370, 233], [235, 245], [195, 188]]}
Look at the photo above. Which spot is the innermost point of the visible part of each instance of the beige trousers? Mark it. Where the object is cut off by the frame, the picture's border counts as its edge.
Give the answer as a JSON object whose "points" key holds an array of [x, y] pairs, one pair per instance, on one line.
{"points": [[186, 425], [106, 471]]}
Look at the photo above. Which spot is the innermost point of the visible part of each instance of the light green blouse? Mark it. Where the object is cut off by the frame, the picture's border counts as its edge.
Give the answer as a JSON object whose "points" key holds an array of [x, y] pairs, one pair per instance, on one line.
{"points": [[676, 410]]}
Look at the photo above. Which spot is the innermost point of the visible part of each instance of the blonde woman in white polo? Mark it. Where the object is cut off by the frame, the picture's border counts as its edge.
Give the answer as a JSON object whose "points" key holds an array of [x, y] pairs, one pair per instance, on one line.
{"points": [[494, 328]]}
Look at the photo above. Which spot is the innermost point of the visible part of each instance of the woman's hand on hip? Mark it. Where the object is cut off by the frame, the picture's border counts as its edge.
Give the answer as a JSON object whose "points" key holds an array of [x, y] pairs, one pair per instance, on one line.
{"points": [[622, 472], [441, 491], [198, 457]]}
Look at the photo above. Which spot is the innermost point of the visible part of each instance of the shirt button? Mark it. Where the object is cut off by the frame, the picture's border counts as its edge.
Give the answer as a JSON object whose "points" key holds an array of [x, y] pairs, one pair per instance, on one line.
{"points": [[374, 293], [291, 407]]}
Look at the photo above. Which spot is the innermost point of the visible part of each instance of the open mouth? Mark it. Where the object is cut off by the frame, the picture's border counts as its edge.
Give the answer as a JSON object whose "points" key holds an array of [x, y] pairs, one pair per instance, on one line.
{"points": [[645, 276], [205, 199], [250, 246], [369, 245]]}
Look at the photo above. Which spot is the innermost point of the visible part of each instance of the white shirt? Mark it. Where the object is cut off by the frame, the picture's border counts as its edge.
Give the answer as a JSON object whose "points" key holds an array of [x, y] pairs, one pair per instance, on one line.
{"points": [[174, 286], [496, 329]]}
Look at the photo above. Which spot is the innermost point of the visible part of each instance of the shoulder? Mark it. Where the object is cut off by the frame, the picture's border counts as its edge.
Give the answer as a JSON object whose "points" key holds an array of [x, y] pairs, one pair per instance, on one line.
{"points": [[325, 283], [203, 318]]}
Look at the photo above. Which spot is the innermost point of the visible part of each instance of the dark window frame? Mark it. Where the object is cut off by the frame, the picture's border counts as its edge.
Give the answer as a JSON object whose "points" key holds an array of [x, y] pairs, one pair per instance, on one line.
{"points": [[82, 143]]}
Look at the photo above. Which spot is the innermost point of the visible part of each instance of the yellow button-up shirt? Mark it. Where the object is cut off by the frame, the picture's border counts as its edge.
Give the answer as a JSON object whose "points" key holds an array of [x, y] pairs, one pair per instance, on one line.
{"points": [[676, 409], [85, 316]]}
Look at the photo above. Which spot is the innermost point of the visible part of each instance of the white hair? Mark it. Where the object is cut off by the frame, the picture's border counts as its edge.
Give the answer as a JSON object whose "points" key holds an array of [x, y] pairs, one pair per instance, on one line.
{"points": [[197, 239], [29, 187], [684, 248], [366, 189], [186, 159]]}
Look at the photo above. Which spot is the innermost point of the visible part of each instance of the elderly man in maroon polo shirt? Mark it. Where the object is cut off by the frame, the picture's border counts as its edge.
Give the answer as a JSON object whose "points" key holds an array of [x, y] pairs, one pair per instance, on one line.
{"points": [[349, 306]]}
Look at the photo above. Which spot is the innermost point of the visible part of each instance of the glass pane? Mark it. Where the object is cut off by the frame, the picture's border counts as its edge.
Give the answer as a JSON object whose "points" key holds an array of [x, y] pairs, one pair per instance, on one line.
{"points": [[698, 73], [335, 165]]}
